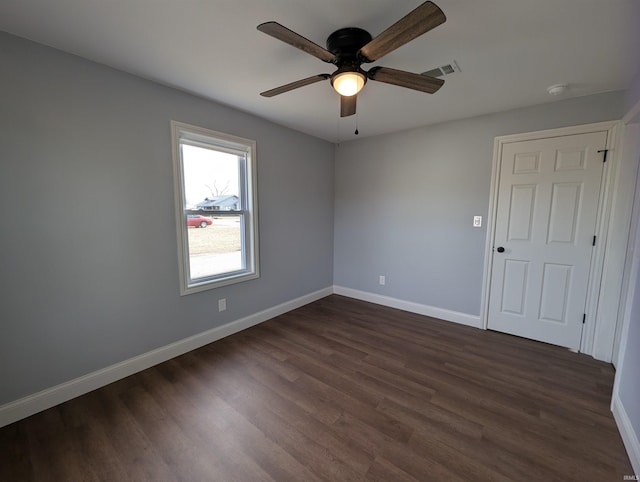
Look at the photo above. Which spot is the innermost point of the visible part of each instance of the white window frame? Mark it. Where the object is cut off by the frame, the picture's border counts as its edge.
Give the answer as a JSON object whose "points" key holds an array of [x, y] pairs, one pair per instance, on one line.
{"points": [[246, 149]]}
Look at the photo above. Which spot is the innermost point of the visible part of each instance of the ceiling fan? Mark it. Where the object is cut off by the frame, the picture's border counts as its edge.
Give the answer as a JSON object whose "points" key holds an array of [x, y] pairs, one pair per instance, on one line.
{"points": [[348, 48]]}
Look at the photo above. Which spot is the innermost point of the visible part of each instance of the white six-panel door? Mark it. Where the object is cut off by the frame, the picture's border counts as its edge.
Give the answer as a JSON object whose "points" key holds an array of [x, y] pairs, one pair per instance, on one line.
{"points": [[544, 231]]}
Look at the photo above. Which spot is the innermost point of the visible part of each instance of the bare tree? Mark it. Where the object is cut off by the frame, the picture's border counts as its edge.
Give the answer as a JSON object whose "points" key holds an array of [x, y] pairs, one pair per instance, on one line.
{"points": [[216, 191], [221, 191]]}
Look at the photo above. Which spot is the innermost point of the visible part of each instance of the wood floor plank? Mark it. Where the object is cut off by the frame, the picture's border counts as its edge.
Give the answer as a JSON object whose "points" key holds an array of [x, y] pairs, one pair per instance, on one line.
{"points": [[475, 449], [14, 447], [383, 471], [59, 456], [305, 422], [337, 390], [91, 440], [135, 451], [206, 416], [316, 449]]}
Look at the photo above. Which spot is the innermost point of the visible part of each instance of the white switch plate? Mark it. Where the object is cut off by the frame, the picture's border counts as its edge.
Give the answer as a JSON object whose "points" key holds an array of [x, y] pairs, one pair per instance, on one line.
{"points": [[222, 304], [477, 221], [382, 280]]}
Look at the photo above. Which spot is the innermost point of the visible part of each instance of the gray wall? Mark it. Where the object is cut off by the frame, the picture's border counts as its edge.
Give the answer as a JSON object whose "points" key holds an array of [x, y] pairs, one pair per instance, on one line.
{"points": [[404, 202], [88, 256], [628, 378], [633, 93]]}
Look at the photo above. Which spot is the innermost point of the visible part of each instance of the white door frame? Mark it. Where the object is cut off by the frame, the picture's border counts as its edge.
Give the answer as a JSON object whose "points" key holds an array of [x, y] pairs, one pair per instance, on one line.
{"points": [[614, 218]]}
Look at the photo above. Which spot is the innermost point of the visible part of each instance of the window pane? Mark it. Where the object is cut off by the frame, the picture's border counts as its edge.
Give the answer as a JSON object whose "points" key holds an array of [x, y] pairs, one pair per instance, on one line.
{"points": [[211, 185], [211, 179], [216, 249]]}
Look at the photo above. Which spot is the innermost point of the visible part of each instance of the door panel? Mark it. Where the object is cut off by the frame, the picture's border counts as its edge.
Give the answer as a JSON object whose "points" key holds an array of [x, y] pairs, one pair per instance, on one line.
{"points": [[514, 289], [521, 212], [563, 219], [545, 221], [556, 284]]}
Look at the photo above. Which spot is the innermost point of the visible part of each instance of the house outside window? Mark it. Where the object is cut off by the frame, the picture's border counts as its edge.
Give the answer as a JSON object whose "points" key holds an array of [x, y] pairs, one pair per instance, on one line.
{"points": [[219, 203], [216, 209]]}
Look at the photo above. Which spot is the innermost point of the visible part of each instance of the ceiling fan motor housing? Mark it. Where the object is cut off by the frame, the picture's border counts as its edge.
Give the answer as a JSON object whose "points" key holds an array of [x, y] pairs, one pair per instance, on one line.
{"points": [[346, 42]]}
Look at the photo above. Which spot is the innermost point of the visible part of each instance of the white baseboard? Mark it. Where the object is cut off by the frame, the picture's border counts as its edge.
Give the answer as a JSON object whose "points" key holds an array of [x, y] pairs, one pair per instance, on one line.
{"points": [[31, 404], [629, 436], [440, 313]]}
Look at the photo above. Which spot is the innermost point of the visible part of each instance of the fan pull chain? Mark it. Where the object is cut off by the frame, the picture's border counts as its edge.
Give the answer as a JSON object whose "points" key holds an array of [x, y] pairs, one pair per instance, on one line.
{"points": [[356, 132]]}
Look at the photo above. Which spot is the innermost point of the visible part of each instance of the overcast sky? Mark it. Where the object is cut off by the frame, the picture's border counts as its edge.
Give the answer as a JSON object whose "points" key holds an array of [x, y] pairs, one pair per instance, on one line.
{"points": [[206, 167]]}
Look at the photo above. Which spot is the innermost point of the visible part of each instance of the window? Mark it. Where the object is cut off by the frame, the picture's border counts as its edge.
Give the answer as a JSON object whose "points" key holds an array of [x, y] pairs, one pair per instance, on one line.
{"points": [[216, 215]]}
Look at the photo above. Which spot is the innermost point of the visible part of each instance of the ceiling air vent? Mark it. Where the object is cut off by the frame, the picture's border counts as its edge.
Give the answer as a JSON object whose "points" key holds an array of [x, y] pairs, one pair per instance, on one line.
{"points": [[443, 71]]}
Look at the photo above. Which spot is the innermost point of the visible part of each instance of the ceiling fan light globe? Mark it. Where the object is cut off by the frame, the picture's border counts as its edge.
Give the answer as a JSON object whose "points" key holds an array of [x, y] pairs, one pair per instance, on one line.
{"points": [[348, 83]]}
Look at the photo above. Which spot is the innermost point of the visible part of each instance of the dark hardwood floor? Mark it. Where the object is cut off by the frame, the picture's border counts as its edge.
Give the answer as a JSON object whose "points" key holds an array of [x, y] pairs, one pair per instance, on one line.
{"points": [[337, 390]]}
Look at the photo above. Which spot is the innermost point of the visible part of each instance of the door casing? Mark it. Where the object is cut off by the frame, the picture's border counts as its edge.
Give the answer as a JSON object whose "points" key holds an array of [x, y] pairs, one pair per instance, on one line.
{"points": [[602, 298]]}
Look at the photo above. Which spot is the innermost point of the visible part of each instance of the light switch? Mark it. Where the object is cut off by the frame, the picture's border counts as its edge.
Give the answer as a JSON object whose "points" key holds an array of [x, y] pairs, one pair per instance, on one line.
{"points": [[477, 221]]}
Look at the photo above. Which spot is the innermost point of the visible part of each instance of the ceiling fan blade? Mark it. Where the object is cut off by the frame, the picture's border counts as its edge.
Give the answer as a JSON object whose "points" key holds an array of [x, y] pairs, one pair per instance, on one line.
{"points": [[423, 83], [348, 105], [294, 85], [424, 18], [298, 41]]}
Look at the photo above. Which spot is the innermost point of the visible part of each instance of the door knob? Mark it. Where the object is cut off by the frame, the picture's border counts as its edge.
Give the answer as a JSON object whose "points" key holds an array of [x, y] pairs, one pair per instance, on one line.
{"points": [[500, 249]]}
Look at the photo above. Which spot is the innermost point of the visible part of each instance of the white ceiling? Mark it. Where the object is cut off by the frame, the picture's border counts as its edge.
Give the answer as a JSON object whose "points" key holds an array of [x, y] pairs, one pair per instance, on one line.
{"points": [[509, 52]]}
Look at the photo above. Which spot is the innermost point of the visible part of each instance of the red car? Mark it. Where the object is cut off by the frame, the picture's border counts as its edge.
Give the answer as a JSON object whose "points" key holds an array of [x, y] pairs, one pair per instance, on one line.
{"points": [[198, 221]]}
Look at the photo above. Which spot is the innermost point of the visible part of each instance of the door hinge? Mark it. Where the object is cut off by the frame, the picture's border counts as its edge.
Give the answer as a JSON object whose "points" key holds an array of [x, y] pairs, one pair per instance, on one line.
{"points": [[594, 241], [584, 318], [604, 157]]}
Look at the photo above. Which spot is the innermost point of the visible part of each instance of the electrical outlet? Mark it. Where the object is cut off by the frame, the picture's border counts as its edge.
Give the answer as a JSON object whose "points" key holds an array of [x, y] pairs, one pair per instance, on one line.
{"points": [[477, 221], [382, 280], [222, 304]]}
